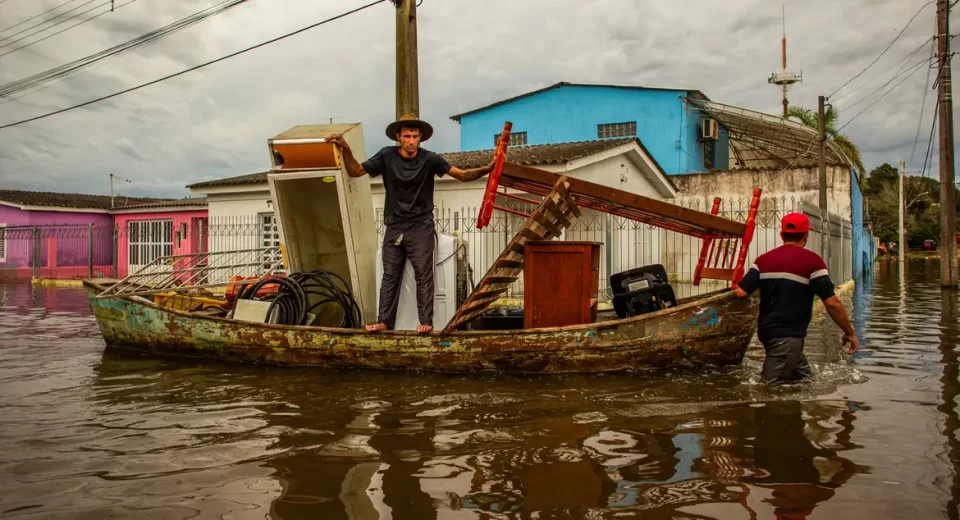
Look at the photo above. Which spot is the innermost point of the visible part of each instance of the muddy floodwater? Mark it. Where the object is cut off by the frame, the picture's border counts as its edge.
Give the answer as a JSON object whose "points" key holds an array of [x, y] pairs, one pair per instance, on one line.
{"points": [[87, 432]]}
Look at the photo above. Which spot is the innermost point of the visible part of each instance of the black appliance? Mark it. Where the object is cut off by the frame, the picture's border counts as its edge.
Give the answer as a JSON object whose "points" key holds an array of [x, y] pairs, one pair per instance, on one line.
{"points": [[641, 290]]}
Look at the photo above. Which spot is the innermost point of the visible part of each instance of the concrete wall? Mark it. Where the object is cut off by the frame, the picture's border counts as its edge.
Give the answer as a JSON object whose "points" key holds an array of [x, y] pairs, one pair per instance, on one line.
{"points": [[800, 184], [571, 113]]}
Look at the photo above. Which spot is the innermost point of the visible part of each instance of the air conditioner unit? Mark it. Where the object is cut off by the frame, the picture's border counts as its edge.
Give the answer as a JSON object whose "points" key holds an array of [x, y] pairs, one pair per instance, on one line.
{"points": [[710, 129]]}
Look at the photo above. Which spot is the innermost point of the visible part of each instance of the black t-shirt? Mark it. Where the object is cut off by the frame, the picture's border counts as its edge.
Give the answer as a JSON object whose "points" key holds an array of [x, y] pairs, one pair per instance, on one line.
{"points": [[408, 182], [788, 278]]}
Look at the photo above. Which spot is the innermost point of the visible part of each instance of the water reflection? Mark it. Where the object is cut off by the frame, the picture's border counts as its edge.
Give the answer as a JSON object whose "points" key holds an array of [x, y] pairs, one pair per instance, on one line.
{"points": [[90, 433], [482, 454], [949, 340]]}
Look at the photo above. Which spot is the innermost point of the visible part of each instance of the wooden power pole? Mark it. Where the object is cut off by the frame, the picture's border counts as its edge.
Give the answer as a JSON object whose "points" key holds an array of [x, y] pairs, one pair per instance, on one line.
{"points": [[824, 215], [408, 89], [948, 202], [901, 211]]}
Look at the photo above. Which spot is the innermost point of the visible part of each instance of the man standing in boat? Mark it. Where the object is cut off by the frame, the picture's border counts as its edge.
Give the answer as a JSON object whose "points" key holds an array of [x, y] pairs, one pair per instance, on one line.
{"points": [[408, 173], [788, 278]]}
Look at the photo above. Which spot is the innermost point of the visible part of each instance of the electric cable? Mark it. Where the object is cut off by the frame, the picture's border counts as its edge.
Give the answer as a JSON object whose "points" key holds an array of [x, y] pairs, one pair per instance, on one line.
{"points": [[290, 299], [852, 119], [903, 59], [899, 34], [61, 31], [196, 67], [68, 68], [50, 20], [5, 29], [923, 100]]}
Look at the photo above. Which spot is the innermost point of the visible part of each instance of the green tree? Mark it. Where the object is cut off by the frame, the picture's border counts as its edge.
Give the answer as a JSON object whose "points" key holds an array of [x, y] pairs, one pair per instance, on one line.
{"points": [[880, 177], [812, 119]]}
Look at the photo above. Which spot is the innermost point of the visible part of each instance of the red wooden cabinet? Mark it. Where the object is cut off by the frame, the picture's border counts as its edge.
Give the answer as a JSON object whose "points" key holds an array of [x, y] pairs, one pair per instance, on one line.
{"points": [[560, 283]]}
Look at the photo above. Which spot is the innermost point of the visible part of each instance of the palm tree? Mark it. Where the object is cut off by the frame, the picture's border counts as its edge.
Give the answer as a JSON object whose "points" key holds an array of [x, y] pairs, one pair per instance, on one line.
{"points": [[810, 118]]}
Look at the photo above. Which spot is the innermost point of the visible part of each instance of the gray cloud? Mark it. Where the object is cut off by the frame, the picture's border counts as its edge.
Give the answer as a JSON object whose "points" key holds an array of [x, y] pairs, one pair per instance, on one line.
{"points": [[214, 122]]}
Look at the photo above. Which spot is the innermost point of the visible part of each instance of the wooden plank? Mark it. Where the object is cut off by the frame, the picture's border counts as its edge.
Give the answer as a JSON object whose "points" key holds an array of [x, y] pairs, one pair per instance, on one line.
{"points": [[503, 263], [491, 280], [545, 222], [565, 195], [490, 290], [530, 234], [552, 205], [717, 274], [516, 247], [700, 221]]}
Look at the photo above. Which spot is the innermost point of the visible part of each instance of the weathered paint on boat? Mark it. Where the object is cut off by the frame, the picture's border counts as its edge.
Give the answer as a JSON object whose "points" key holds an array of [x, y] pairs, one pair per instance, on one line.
{"points": [[713, 330]]}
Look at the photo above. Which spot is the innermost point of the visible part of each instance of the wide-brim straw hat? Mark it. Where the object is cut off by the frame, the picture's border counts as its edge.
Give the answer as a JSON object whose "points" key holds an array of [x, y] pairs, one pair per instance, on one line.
{"points": [[409, 120]]}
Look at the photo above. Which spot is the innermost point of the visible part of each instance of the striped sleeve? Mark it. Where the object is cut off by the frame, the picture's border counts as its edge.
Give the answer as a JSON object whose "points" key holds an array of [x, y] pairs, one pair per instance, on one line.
{"points": [[751, 280], [820, 281]]}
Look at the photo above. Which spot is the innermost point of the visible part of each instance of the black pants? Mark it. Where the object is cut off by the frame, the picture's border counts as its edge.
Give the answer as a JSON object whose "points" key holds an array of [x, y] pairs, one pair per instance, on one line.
{"points": [[785, 362], [417, 242]]}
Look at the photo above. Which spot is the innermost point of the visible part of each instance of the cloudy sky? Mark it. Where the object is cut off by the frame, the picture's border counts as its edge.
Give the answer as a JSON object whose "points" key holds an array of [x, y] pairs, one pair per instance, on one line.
{"points": [[214, 122]]}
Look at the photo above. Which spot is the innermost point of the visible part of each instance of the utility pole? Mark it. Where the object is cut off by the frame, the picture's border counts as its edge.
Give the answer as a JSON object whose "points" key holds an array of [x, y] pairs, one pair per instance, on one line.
{"points": [[408, 90], [112, 176], [824, 220], [948, 202], [902, 210], [784, 79]]}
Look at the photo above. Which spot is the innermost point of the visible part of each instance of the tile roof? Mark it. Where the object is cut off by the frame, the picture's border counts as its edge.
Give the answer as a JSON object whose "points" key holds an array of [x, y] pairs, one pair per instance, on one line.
{"points": [[46, 199], [537, 154], [693, 93], [528, 155], [252, 178], [67, 200], [168, 203]]}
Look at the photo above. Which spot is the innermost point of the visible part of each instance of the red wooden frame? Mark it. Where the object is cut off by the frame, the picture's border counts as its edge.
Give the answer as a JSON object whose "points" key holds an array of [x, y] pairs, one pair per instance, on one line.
{"points": [[493, 178], [721, 265]]}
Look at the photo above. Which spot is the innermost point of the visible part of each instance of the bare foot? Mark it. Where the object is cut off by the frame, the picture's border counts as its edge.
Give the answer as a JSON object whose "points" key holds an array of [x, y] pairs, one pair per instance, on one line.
{"points": [[425, 329], [377, 327]]}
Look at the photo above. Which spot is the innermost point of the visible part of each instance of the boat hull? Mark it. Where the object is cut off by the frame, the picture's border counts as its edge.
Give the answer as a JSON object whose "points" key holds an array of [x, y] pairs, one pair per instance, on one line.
{"points": [[710, 331]]}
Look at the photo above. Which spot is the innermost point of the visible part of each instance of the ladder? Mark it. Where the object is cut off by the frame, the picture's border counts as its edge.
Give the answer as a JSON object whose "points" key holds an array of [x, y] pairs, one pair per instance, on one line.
{"points": [[555, 213]]}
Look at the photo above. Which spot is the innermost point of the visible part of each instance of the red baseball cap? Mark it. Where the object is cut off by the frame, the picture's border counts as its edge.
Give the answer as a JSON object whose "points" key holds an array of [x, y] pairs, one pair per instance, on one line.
{"points": [[795, 223]]}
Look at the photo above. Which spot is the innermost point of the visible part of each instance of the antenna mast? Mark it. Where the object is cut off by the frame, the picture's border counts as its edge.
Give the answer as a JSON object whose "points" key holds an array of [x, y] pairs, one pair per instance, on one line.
{"points": [[784, 79]]}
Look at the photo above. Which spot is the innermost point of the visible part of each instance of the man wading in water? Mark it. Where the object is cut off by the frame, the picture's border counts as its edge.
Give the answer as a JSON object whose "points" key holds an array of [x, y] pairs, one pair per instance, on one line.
{"points": [[408, 174], [788, 278]]}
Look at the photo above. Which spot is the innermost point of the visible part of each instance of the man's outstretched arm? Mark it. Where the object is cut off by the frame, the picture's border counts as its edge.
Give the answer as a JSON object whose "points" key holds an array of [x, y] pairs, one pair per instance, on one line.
{"points": [[354, 168], [470, 175]]}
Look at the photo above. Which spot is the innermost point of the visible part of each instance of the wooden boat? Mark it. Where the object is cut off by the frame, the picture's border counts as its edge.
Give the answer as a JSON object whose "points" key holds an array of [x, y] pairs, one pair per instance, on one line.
{"points": [[707, 330], [710, 330]]}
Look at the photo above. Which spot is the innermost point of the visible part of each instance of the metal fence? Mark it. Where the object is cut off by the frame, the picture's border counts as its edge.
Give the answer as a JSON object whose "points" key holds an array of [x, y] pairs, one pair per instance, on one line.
{"points": [[77, 251]]}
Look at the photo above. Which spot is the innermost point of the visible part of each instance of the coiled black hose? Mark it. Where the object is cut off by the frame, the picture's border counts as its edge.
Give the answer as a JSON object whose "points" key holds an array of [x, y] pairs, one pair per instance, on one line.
{"points": [[291, 299]]}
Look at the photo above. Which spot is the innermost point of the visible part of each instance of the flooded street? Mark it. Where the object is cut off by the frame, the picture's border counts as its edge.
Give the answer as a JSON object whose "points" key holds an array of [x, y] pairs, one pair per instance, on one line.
{"points": [[86, 433]]}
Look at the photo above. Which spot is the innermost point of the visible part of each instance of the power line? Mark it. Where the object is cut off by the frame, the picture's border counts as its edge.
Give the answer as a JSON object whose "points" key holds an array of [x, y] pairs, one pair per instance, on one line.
{"points": [[196, 67], [903, 59], [92, 18], [928, 155], [50, 20], [884, 50], [63, 70], [915, 69], [36, 16], [923, 100]]}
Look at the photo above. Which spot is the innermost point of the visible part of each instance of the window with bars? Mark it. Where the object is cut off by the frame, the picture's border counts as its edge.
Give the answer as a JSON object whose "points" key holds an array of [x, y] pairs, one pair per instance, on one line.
{"points": [[516, 139], [149, 240], [3, 243], [617, 130], [708, 154]]}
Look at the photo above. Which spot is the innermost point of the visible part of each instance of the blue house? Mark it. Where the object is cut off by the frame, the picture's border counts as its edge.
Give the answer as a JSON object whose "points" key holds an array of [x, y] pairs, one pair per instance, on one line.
{"points": [[571, 112]]}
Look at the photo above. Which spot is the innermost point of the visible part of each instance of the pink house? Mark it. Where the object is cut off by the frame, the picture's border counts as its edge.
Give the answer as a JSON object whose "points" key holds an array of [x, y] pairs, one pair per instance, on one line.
{"points": [[162, 228]]}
